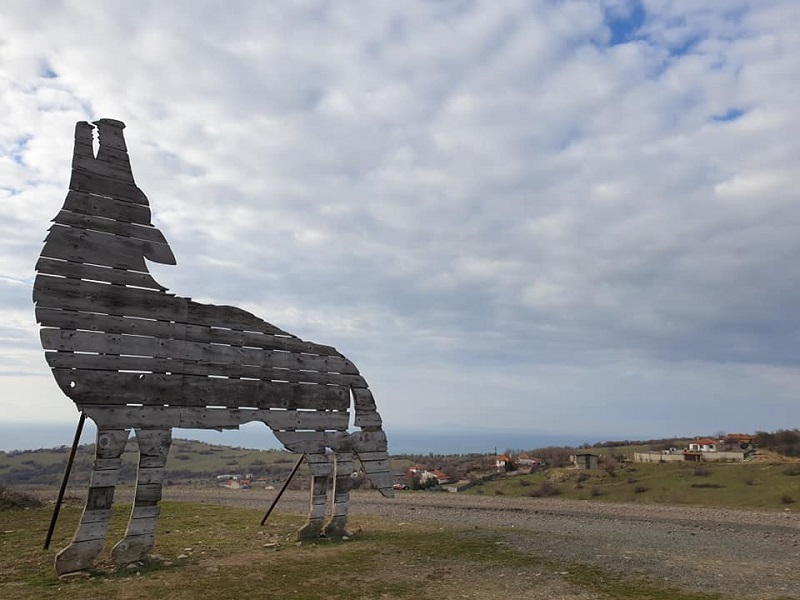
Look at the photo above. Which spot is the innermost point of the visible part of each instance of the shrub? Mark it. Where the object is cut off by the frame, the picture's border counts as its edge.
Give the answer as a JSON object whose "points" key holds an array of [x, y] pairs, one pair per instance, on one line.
{"points": [[545, 490], [708, 485], [583, 477], [596, 492], [640, 489], [750, 482], [524, 482], [701, 472], [792, 470], [10, 499], [787, 499]]}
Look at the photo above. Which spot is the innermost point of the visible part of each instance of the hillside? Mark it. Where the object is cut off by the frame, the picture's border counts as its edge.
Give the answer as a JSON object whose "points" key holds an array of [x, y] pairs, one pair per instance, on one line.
{"points": [[188, 462]]}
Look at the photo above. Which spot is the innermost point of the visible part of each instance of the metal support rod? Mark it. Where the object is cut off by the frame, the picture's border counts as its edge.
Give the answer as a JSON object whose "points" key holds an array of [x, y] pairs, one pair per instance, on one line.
{"points": [[64, 480], [283, 489]]}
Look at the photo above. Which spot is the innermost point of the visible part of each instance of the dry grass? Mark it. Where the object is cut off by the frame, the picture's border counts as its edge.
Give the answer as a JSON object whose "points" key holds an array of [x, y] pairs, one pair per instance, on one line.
{"points": [[217, 552]]}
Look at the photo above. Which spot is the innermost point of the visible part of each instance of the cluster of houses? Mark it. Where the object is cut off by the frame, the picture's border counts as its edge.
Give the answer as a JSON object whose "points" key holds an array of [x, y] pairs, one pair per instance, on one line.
{"points": [[734, 447]]}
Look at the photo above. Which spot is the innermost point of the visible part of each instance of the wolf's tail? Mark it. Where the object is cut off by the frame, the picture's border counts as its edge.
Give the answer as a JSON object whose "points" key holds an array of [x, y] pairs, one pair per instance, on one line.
{"points": [[370, 444]]}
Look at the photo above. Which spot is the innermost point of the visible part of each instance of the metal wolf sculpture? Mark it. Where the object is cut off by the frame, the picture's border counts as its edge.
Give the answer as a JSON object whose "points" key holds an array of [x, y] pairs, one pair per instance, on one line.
{"points": [[132, 356]]}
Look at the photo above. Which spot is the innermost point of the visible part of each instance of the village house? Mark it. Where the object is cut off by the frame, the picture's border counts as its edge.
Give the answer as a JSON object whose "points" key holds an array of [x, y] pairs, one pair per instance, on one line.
{"points": [[703, 445], [735, 447], [584, 460], [427, 477]]}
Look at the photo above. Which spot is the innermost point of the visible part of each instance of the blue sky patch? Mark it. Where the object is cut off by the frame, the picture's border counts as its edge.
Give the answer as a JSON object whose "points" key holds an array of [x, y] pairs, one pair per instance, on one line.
{"points": [[624, 26], [47, 72], [729, 115]]}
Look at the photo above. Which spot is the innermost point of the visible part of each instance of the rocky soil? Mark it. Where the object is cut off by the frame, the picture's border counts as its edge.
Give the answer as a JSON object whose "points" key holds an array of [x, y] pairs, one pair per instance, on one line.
{"points": [[754, 555]]}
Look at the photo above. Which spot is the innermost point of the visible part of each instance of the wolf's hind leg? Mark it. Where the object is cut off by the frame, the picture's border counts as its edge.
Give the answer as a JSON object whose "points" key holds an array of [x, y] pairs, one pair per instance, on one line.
{"points": [[337, 526], [321, 469]]}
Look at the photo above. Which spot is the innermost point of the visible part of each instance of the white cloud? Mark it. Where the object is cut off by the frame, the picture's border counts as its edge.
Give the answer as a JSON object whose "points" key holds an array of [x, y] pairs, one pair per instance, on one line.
{"points": [[489, 188]]}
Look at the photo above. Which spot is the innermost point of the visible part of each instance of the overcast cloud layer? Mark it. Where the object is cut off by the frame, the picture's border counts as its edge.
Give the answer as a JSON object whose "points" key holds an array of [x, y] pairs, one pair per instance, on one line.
{"points": [[567, 217]]}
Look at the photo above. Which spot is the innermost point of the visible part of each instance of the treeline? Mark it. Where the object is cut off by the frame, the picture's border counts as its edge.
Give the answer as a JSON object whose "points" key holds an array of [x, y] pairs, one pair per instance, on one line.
{"points": [[783, 441]]}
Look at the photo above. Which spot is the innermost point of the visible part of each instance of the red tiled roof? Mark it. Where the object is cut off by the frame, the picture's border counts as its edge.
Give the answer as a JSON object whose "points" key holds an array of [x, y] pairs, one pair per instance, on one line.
{"points": [[706, 442]]}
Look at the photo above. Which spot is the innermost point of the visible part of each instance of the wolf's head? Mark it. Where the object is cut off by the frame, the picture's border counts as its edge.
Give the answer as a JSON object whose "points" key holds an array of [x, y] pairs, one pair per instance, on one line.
{"points": [[105, 201]]}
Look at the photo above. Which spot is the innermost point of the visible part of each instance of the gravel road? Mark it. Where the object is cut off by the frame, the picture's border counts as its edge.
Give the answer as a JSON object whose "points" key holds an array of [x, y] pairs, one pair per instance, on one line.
{"points": [[744, 554]]}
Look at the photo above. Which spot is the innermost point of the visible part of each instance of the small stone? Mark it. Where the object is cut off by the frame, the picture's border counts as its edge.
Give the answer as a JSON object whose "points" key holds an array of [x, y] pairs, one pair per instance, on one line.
{"points": [[182, 556]]}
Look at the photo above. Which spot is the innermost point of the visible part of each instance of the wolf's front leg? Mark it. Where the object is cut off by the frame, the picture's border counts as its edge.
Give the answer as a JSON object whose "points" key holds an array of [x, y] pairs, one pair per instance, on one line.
{"points": [[141, 533], [89, 538]]}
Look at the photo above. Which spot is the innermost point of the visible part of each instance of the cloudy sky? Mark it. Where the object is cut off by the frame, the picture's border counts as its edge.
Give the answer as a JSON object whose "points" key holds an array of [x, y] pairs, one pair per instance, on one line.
{"points": [[571, 218]]}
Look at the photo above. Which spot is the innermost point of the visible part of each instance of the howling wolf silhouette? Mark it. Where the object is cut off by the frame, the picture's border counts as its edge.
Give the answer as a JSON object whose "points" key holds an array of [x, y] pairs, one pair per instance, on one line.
{"points": [[132, 356]]}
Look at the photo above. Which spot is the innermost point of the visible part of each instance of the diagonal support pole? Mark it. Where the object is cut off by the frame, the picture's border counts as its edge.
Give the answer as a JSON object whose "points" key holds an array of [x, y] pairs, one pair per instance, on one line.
{"points": [[65, 480], [283, 489]]}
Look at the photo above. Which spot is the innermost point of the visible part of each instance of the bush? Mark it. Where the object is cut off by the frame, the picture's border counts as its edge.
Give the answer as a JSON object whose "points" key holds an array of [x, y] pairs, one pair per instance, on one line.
{"points": [[701, 472], [787, 499], [596, 492], [792, 470], [640, 489], [10, 500], [708, 485], [583, 477], [545, 490]]}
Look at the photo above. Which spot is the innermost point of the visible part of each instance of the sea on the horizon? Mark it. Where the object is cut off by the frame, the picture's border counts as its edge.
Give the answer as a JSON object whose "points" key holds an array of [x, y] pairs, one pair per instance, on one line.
{"points": [[32, 436]]}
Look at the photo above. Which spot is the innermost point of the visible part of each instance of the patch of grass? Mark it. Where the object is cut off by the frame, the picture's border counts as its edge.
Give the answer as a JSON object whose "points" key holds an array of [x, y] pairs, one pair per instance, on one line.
{"points": [[13, 499], [741, 485], [225, 551], [545, 490], [617, 587], [792, 470]]}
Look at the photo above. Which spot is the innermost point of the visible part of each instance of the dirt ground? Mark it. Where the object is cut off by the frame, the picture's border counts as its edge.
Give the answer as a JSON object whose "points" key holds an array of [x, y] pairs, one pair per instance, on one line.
{"points": [[731, 552]]}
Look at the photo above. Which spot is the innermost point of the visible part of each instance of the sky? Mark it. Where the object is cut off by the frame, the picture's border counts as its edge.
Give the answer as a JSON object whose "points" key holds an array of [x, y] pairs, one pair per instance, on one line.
{"points": [[540, 219]]}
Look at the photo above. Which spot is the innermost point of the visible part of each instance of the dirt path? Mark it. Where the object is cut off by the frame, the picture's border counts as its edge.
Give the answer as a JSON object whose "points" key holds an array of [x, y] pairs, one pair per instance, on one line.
{"points": [[736, 553]]}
